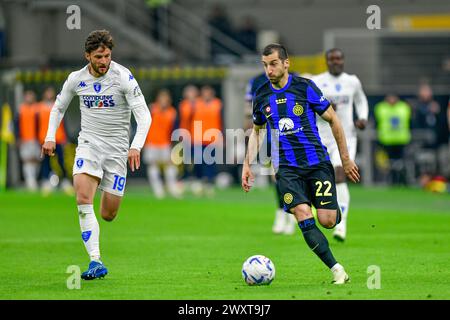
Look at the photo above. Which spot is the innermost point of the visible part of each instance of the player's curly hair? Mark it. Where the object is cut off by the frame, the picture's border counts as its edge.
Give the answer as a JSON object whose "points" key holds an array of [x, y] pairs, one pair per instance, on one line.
{"points": [[98, 38], [282, 52]]}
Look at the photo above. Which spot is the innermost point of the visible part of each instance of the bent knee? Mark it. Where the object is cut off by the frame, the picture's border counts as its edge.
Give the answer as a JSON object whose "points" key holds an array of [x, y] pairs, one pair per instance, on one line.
{"points": [[328, 224], [327, 219], [108, 215], [302, 212]]}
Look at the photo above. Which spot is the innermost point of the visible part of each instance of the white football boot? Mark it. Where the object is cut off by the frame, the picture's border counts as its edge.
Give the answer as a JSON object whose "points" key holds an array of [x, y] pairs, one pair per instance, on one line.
{"points": [[339, 274]]}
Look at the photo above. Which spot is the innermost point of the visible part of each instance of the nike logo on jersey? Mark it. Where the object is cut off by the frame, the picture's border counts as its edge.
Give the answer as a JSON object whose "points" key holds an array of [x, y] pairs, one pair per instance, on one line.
{"points": [[322, 203]]}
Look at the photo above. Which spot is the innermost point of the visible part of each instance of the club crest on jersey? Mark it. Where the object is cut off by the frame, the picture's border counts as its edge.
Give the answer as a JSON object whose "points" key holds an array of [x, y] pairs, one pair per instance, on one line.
{"points": [[80, 163], [338, 87], [97, 87], [137, 91], [298, 109]]}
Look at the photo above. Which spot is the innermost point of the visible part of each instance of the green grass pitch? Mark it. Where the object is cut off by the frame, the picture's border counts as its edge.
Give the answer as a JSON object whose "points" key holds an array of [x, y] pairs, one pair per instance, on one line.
{"points": [[194, 248]]}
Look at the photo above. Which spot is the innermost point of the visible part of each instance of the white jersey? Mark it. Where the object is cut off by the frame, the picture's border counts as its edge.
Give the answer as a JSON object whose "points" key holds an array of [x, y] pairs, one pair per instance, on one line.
{"points": [[342, 91], [106, 104]]}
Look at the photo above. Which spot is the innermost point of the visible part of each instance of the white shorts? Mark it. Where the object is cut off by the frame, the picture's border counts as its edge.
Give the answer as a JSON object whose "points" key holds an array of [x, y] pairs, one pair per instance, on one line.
{"points": [[30, 150], [152, 154], [333, 151], [111, 170]]}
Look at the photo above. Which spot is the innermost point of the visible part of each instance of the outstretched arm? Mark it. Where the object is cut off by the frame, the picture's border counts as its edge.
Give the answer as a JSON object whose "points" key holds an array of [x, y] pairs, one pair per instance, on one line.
{"points": [[254, 143], [350, 168]]}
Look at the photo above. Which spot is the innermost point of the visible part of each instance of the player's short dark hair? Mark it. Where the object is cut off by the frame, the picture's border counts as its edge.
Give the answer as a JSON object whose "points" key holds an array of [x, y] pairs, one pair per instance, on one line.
{"points": [[329, 51], [98, 38], [282, 52]]}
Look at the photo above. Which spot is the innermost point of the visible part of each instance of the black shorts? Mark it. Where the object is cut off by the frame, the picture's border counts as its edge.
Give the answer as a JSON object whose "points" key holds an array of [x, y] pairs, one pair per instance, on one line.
{"points": [[315, 186]]}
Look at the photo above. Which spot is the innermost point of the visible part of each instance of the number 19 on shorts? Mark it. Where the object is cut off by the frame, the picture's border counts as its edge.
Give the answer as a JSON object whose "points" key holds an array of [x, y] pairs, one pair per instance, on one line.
{"points": [[119, 183]]}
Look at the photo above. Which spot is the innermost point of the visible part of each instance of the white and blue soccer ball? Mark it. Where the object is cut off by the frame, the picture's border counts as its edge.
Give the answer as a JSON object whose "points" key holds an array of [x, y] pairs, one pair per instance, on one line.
{"points": [[258, 270]]}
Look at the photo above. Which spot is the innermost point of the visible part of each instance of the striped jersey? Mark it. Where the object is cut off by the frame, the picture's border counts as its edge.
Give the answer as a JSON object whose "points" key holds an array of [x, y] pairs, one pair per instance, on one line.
{"points": [[290, 113]]}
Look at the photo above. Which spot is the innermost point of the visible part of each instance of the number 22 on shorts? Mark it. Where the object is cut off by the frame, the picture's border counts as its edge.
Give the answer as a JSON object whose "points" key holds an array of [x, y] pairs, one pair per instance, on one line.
{"points": [[326, 192]]}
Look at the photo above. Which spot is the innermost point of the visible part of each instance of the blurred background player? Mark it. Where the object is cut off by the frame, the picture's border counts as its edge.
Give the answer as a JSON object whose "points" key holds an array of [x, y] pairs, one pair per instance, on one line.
{"points": [[342, 90], [186, 109], [157, 148], [284, 223], [44, 109], [208, 117], [28, 140]]}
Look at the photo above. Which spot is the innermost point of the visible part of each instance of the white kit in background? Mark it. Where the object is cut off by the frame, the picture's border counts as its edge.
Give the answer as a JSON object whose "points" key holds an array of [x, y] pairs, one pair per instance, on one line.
{"points": [[343, 91]]}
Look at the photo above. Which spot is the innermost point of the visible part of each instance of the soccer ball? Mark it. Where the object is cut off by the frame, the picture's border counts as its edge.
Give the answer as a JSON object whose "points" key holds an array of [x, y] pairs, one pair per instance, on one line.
{"points": [[258, 270]]}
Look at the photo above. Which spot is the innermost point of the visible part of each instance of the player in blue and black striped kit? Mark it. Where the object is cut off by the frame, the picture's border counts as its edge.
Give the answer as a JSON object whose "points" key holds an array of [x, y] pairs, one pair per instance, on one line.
{"points": [[284, 223], [287, 104]]}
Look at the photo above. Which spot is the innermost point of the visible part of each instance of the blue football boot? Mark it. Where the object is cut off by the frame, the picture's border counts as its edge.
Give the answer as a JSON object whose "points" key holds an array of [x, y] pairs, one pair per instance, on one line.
{"points": [[95, 270]]}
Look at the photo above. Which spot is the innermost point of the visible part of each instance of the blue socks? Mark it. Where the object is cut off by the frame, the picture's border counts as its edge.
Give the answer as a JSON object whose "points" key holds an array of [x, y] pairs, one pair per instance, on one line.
{"points": [[317, 241]]}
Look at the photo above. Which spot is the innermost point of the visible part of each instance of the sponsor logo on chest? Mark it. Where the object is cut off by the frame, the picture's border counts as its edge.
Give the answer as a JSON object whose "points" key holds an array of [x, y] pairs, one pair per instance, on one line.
{"points": [[103, 101]]}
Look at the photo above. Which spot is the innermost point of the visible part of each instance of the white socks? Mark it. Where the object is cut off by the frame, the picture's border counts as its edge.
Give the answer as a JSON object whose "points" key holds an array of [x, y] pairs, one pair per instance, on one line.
{"points": [[155, 180], [170, 173], [343, 198], [279, 223], [30, 175], [90, 231]]}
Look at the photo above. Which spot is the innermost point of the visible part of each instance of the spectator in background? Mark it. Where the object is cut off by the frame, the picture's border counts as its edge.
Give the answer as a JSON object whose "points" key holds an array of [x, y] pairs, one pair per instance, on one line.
{"points": [[28, 140], [448, 119], [247, 33], [448, 116], [186, 110], [157, 148], [393, 118], [425, 110], [44, 109], [428, 115], [219, 21], [448, 138], [207, 120], [2, 33]]}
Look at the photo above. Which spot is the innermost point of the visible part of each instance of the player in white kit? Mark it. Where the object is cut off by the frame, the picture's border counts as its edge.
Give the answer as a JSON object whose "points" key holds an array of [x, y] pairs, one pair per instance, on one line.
{"points": [[108, 94], [342, 90]]}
